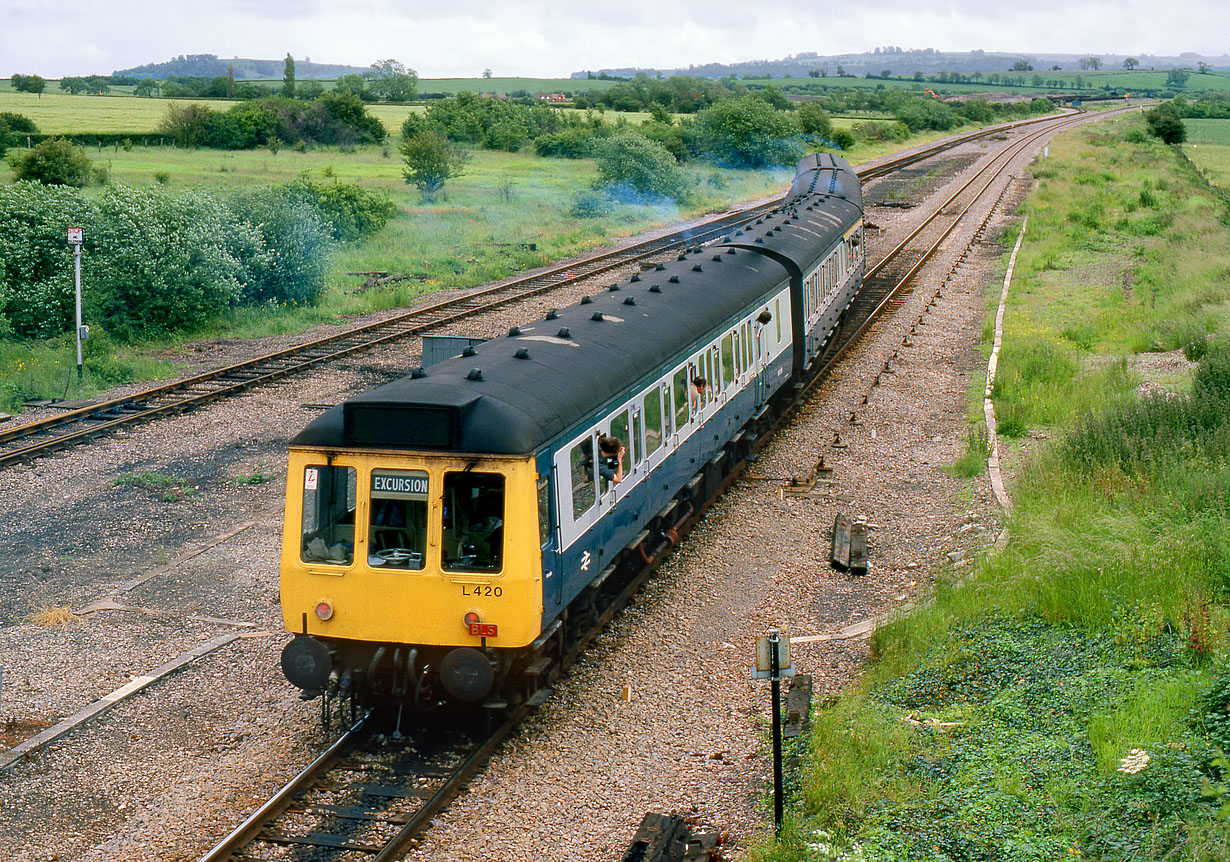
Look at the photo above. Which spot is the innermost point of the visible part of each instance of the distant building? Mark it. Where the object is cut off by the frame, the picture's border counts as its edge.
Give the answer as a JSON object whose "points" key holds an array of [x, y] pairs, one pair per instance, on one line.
{"points": [[551, 97]]}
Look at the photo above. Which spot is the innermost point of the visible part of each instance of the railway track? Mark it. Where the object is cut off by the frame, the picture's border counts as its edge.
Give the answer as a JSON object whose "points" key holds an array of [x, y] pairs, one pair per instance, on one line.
{"points": [[82, 422], [371, 795]]}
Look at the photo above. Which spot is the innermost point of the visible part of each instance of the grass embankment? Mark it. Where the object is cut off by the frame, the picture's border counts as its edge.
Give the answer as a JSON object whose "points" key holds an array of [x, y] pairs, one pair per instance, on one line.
{"points": [[1069, 697]]}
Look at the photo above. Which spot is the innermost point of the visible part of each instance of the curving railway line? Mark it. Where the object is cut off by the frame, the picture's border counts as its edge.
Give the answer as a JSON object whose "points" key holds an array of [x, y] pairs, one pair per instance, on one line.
{"points": [[372, 795], [25, 442]]}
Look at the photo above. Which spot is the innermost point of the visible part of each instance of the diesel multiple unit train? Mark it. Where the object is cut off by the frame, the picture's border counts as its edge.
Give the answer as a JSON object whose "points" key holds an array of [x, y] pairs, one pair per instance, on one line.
{"points": [[450, 534]]}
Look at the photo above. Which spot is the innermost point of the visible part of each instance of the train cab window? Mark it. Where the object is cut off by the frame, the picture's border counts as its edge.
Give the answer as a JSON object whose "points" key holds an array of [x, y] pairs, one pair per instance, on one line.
{"points": [[581, 464], [544, 511], [329, 498], [683, 386], [397, 527], [728, 360], [473, 515]]}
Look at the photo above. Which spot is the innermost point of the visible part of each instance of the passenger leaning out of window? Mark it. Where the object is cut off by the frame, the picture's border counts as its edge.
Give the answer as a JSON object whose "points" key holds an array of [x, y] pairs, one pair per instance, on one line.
{"points": [[699, 387], [611, 458]]}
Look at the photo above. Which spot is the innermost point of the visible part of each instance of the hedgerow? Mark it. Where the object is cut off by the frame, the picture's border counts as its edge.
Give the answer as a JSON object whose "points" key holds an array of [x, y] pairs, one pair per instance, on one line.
{"points": [[158, 263]]}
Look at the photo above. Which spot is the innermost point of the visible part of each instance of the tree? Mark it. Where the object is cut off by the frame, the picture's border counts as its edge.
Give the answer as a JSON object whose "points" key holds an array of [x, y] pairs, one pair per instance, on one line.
{"points": [[145, 87], [1177, 78], [431, 161], [1203, 68], [54, 162], [230, 80], [1130, 63], [394, 82], [814, 120], [186, 125], [288, 77], [775, 97], [630, 162], [1164, 123], [486, 73], [1022, 66], [749, 132], [29, 84], [353, 83]]}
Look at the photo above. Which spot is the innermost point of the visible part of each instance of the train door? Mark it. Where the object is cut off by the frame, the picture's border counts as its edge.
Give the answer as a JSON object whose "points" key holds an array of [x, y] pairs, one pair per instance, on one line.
{"points": [[760, 359], [548, 533]]}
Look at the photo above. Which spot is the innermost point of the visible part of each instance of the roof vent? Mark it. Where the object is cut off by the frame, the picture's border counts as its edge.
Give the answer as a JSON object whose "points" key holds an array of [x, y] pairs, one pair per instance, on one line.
{"points": [[469, 351], [514, 331], [731, 251], [629, 300], [551, 315], [636, 276], [613, 288], [522, 353], [564, 332], [655, 288], [760, 240], [696, 268], [476, 374], [683, 256], [674, 279], [717, 258], [659, 267], [739, 232], [418, 373], [585, 300], [597, 316]]}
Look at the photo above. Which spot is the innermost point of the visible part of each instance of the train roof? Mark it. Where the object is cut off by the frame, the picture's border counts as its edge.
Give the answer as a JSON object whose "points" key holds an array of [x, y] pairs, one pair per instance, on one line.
{"points": [[513, 394]]}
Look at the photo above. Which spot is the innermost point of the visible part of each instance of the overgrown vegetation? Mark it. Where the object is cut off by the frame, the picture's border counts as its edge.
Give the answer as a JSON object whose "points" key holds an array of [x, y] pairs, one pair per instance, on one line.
{"points": [[162, 263], [1069, 697]]}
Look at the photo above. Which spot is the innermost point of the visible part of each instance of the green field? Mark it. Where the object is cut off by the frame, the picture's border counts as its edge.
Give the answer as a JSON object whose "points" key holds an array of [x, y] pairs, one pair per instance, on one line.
{"points": [[1208, 145], [63, 114]]}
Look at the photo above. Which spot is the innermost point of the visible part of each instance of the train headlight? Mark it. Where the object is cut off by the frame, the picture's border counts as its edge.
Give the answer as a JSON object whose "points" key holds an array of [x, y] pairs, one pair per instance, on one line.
{"points": [[324, 610]]}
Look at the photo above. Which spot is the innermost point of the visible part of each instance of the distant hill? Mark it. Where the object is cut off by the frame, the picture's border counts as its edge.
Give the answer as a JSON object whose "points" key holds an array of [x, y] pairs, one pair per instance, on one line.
{"points": [[903, 62], [211, 66]]}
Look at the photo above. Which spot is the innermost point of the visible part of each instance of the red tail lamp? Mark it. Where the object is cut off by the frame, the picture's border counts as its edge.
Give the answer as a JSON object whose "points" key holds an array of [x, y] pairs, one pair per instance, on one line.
{"points": [[324, 610]]}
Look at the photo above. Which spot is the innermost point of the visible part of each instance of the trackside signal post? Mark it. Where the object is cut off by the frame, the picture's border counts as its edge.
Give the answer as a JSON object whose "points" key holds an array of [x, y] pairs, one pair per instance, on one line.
{"points": [[773, 663], [75, 235]]}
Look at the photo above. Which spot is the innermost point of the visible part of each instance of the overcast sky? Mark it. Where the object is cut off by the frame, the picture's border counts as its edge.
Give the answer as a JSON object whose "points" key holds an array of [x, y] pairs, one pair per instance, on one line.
{"points": [[544, 39]]}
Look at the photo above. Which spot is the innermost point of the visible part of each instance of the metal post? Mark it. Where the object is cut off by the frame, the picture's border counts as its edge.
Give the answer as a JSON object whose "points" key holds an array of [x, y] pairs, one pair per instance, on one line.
{"points": [[77, 280], [775, 683]]}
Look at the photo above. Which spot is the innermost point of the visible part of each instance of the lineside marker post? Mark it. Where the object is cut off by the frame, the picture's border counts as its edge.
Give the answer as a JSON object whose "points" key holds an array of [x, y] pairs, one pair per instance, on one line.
{"points": [[772, 663], [83, 332]]}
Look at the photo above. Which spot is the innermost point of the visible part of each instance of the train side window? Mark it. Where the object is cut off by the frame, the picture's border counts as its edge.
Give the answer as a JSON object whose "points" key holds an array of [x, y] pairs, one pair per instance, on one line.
{"points": [[473, 513], [777, 315], [748, 359], [544, 511], [638, 435], [653, 421], [397, 527], [619, 428], [329, 498], [714, 372], [666, 412], [581, 462], [728, 359], [683, 386]]}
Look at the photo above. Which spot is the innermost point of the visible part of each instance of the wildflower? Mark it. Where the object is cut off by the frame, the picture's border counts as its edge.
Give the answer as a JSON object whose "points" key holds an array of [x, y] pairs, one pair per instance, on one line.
{"points": [[1136, 761]]}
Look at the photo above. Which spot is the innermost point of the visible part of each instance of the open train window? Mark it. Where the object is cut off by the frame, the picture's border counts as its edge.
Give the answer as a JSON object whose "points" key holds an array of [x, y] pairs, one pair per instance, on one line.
{"points": [[620, 429], [473, 515], [329, 496], [581, 465], [397, 527], [682, 387], [654, 432], [728, 359]]}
